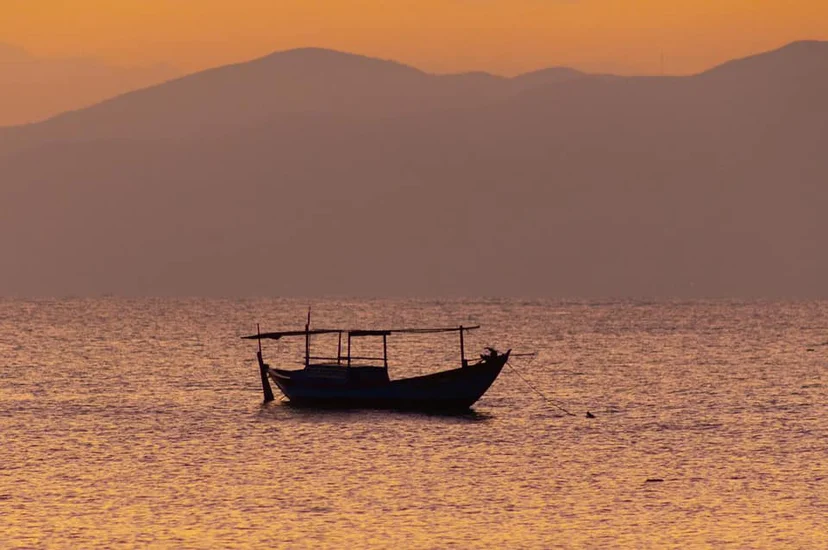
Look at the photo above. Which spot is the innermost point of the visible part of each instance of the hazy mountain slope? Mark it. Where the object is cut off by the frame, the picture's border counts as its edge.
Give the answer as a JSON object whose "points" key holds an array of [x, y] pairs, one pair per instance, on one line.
{"points": [[709, 185], [34, 88]]}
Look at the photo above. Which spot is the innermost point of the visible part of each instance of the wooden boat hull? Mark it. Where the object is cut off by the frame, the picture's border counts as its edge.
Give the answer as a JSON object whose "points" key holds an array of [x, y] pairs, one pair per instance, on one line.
{"points": [[456, 389]]}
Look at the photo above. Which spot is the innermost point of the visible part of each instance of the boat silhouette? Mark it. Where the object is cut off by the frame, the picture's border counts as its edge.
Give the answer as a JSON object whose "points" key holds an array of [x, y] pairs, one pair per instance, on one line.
{"points": [[348, 381]]}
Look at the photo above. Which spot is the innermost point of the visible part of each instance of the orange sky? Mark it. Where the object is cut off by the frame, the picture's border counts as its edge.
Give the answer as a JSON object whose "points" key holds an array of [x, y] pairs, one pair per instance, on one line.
{"points": [[500, 36]]}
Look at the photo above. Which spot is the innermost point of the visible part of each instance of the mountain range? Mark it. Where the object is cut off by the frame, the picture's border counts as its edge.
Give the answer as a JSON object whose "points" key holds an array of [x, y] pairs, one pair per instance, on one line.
{"points": [[314, 172]]}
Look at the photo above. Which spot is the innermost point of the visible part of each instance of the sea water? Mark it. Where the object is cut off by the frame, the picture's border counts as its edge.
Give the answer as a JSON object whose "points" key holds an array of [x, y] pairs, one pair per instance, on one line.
{"points": [[139, 423]]}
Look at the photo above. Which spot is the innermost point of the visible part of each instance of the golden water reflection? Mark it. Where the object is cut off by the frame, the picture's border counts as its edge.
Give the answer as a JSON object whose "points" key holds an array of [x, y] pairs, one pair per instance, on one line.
{"points": [[132, 423]]}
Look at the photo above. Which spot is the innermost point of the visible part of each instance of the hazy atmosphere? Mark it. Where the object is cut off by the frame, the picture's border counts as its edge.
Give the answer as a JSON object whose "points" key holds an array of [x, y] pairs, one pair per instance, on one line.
{"points": [[419, 274], [500, 36]]}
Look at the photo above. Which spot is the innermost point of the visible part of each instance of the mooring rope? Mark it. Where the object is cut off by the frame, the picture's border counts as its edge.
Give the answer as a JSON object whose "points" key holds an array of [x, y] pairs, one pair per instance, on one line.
{"points": [[536, 390]]}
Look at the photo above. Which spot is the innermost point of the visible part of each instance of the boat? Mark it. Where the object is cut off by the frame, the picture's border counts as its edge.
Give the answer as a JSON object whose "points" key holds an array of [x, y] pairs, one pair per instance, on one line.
{"points": [[348, 381]]}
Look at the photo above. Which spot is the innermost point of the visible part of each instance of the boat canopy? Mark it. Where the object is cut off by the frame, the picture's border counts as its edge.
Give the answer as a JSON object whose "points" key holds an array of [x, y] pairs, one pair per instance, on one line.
{"points": [[356, 332], [281, 334], [384, 333]]}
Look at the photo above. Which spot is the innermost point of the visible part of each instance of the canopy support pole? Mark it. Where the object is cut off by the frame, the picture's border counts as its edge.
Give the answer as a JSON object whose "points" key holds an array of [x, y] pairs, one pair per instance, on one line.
{"points": [[463, 362]]}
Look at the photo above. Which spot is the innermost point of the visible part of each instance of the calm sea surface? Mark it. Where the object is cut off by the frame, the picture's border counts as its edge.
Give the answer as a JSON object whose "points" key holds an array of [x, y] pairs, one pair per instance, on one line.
{"points": [[139, 423]]}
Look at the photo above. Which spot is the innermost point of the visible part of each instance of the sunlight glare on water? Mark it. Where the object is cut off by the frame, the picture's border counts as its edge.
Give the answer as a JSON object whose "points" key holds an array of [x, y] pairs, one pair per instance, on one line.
{"points": [[140, 423]]}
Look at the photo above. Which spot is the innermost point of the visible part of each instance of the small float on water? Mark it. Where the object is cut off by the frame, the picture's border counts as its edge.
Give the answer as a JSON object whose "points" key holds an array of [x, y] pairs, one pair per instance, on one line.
{"points": [[348, 381]]}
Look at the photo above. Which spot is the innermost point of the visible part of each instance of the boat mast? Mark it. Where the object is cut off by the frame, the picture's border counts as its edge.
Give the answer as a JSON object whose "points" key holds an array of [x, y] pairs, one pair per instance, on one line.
{"points": [[307, 340]]}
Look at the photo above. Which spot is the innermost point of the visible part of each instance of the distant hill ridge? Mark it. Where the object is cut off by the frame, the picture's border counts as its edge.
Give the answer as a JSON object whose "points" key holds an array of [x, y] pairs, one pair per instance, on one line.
{"points": [[304, 80], [314, 79]]}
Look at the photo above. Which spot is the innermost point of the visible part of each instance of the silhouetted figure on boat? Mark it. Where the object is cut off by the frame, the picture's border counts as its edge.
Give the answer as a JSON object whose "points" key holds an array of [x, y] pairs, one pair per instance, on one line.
{"points": [[493, 354]]}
